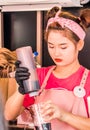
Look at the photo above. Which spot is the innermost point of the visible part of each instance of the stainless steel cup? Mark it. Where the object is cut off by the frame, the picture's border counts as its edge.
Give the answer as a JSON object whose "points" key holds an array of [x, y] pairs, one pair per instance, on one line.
{"points": [[39, 123], [25, 55]]}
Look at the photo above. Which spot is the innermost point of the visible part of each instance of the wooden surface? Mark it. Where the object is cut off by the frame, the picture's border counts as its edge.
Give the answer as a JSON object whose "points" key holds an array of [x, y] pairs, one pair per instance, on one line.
{"points": [[19, 127]]}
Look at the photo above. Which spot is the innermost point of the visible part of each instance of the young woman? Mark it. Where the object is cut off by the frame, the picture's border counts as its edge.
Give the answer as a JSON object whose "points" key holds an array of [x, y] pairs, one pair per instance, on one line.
{"points": [[65, 86]]}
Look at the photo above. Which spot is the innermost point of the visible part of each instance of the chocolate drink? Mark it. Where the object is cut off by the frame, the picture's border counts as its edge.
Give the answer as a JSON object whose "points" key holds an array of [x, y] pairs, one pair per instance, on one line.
{"points": [[44, 126]]}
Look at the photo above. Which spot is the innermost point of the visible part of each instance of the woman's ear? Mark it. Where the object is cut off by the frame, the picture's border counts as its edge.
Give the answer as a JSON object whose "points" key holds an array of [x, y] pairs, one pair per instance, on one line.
{"points": [[80, 45]]}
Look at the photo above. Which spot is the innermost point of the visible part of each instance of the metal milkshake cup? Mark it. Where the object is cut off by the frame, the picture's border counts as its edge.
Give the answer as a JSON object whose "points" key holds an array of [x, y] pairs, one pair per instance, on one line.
{"points": [[25, 55]]}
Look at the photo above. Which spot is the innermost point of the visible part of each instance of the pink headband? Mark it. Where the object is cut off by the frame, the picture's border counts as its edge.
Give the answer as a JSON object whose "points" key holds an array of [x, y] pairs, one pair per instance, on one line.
{"points": [[73, 26]]}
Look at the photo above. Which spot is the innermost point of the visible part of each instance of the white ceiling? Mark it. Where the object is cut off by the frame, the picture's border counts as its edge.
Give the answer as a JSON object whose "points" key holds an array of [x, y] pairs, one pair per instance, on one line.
{"points": [[64, 3]]}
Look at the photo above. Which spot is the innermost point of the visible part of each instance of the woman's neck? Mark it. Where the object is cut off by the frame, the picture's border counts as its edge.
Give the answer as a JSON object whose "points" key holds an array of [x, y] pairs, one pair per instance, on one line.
{"points": [[65, 71]]}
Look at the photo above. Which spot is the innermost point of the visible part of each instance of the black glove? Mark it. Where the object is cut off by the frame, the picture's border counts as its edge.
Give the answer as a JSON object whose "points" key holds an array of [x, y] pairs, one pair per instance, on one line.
{"points": [[21, 74]]}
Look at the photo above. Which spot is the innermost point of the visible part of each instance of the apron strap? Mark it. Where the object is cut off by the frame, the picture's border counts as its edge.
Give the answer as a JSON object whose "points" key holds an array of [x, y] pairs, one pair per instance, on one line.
{"points": [[80, 100], [84, 78], [46, 79]]}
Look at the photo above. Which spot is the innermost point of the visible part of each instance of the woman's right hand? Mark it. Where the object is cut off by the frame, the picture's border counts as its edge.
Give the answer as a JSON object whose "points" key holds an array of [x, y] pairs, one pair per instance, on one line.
{"points": [[21, 74], [51, 111]]}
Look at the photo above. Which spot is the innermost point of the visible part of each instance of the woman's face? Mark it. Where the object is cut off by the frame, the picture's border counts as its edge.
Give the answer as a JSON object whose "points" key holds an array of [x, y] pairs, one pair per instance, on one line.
{"points": [[62, 51]]}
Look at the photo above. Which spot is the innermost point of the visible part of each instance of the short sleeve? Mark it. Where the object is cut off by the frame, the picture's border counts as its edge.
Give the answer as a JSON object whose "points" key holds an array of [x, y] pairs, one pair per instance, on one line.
{"points": [[28, 101]]}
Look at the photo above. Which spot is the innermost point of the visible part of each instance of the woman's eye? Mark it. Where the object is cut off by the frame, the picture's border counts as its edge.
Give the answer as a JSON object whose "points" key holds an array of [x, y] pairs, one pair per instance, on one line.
{"points": [[51, 47], [63, 47]]}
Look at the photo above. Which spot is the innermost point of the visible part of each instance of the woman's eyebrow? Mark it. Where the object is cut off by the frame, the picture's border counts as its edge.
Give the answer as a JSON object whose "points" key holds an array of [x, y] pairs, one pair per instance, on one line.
{"points": [[58, 44]]}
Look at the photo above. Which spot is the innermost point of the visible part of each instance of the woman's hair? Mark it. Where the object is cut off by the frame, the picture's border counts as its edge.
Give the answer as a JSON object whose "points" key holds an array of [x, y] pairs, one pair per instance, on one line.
{"points": [[85, 17], [82, 22], [7, 61]]}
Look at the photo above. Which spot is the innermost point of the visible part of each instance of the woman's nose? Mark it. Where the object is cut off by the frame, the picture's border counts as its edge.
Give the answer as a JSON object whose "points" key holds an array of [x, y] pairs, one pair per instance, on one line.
{"points": [[57, 51]]}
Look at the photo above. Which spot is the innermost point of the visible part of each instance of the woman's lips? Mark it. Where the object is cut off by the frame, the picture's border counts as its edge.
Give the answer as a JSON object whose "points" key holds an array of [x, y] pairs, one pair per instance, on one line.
{"points": [[58, 60]]}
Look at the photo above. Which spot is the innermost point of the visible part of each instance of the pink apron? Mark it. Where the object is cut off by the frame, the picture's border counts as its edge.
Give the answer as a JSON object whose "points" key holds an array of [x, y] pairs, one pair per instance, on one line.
{"points": [[71, 101]]}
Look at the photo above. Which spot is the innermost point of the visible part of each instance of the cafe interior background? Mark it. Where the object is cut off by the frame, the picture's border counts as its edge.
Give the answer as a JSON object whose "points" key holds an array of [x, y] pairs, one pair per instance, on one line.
{"points": [[22, 23]]}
